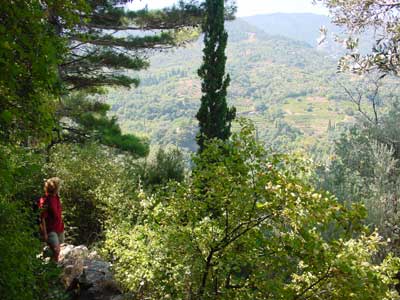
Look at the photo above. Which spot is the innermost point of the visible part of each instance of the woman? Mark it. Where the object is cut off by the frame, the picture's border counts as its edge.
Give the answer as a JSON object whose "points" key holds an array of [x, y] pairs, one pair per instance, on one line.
{"points": [[52, 225]]}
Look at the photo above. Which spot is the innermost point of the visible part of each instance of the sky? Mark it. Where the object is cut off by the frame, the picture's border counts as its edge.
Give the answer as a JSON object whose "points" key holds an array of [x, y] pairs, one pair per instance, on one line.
{"points": [[249, 7]]}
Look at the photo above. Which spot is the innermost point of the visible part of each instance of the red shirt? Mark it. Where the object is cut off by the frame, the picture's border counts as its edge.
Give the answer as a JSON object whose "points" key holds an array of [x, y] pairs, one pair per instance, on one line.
{"points": [[51, 212]]}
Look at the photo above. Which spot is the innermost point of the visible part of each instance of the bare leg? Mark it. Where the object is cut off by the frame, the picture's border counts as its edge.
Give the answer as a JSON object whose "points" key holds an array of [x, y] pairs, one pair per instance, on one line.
{"points": [[56, 252], [54, 244]]}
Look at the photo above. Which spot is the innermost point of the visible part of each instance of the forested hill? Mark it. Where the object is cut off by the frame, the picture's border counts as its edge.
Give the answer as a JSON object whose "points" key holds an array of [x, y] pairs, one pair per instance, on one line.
{"points": [[287, 87]]}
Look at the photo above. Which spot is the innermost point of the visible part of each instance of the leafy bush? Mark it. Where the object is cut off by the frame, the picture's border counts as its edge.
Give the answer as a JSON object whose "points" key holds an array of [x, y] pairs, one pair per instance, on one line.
{"points": [[166, 165], [247, 226], [21, 177]]}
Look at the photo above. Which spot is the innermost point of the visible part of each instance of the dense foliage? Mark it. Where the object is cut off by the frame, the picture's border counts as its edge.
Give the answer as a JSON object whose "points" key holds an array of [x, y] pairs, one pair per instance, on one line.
{"points": [[30, 53], [29, 56], [246, 225], [160, 168], [93, 182], [22, 274], [37, 51], [100, 186]]}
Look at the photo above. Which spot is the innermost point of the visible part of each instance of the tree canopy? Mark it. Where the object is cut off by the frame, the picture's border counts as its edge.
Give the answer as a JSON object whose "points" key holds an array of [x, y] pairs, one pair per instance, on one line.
{"points": [[379, 16]]}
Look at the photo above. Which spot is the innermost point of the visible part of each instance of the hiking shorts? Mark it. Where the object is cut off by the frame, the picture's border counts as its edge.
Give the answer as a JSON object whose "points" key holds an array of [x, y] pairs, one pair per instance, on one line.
{"points": [[55, 238]]}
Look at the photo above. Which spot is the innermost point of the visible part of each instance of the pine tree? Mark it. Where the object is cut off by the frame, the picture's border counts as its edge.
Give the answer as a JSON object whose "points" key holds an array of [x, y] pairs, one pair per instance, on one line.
{"points": [[83, 119], [107, 42], [111, 40], [214, 115]]}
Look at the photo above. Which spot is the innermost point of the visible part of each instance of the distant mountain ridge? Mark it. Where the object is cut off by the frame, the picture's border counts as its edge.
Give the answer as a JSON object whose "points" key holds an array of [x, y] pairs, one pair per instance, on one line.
{"points": [[305, 27], [301, 27]]}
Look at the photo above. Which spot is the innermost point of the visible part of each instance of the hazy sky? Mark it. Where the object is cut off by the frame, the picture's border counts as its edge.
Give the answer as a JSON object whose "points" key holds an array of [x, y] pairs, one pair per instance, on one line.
{"points": [[249, 7]]}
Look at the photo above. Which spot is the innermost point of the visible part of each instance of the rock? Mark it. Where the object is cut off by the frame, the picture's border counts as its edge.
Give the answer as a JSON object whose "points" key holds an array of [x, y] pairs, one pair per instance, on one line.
{"points": [[93, 255], [87, 275], [64, 251], [98, 273], [69, 252], [72, 259]]}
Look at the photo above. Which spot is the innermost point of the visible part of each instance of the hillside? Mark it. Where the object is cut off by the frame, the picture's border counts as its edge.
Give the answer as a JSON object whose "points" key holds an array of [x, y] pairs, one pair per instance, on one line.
{"points": [[287, 87]]}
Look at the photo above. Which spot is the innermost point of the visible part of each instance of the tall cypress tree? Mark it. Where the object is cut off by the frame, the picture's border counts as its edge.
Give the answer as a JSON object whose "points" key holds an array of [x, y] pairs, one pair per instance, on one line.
{"points": [[214, 116]]}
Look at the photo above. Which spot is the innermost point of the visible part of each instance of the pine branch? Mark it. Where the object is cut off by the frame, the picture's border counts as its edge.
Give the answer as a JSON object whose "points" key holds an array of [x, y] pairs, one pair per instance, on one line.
{"points": [[82, 82], [145, 27], [163, 40], [391, 5]]}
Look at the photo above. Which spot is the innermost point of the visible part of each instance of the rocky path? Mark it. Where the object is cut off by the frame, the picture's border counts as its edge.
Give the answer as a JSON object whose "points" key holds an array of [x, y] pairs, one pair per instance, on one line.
{"points": [[86, 276]]}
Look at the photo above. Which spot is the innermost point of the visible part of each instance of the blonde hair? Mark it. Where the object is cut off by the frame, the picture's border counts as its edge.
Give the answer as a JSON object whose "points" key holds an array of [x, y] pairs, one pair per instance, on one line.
{"points": [[52, 186]]}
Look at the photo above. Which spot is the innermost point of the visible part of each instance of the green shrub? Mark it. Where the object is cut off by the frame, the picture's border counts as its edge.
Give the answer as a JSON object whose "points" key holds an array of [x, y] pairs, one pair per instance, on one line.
{"points": [[164, 166], [21, 177]]}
